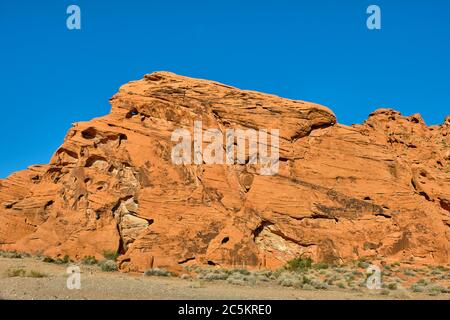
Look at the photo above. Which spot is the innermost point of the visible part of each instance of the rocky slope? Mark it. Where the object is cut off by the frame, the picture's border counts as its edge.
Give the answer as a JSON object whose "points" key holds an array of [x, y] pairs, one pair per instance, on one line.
{"points": [[378, 190]]}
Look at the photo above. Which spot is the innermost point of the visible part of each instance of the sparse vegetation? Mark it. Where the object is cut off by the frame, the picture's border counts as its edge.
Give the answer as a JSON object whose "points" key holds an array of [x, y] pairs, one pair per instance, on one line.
{"points": [[16, 273], [320, 265], [238, 278], [409, 272], [36, 274], [289, 280], [89, 260], [300, 264], [299, 273], [244, 272], [48, 260], [12, 273], [391, 286], [111, 255], [64, 260], [213, 275], [13, 254], [108, 266], [362, 263], [157, 272]]}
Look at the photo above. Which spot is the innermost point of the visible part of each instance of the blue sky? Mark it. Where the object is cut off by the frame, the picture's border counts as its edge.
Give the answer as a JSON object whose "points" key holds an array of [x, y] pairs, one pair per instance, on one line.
{"points": [[318, 51]]}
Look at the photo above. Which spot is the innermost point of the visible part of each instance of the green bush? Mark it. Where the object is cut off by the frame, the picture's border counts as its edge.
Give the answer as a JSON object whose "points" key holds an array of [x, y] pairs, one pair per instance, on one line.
{"points": [[409, 272], [241, 271], [363, 264], [416, 288], [48, 260], [299, 264], [111, 255], [241, 279], [290, 282], [320, 265], [108, 266], [89, 260], [319, 285], [392, 286], [64, 260], [157, 272]]}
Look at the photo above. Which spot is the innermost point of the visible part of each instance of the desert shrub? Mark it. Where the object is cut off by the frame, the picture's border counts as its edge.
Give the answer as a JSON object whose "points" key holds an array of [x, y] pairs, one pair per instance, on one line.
{"points": [[11, 254], [241, 279], [64, 260], [157, 272], [319, 285], [357, 273], [362, 263], [391, 286], [442, 268], [416, 288], [435, 290], [299, 264], [349, 277], [264, 273], [48, 260], [89, 260], [320, 265], [277, 273], [236, 279], [306, 280], [213, 275], [436, 272], [423, 282], [16, 273], [330, 280], [108, 266], [111, 255], [290, 282], [289, 279], [36, 274], [409, 272], [241, 271]]}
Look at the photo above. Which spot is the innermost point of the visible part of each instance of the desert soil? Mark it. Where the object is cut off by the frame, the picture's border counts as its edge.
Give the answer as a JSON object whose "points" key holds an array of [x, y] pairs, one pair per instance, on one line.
{"points": [[96, 284]]}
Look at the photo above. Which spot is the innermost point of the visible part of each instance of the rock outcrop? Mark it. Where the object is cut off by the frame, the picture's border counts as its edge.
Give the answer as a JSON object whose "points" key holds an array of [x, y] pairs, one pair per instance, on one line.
{"points": [[378, 190]]}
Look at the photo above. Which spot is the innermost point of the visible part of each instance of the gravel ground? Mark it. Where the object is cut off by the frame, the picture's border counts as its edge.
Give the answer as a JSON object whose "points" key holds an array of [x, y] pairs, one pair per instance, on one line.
{"points": [[96, 284]]}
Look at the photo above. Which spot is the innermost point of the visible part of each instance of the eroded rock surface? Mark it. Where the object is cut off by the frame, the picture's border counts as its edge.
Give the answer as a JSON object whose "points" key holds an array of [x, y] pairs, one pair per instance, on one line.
{"points": [[380, 189]]}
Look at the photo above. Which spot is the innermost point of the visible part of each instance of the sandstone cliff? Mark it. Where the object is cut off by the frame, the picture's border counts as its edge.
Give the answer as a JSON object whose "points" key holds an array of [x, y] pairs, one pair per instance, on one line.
{"points": [[378, 190]]}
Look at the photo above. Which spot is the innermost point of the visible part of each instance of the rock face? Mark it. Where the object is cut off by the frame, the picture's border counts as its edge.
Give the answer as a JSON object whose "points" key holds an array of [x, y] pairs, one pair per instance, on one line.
{"points": [[378, 190]]}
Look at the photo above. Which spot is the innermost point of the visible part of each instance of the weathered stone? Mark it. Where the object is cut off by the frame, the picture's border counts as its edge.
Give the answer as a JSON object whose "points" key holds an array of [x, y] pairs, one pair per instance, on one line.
{"points": [[380, 189]]}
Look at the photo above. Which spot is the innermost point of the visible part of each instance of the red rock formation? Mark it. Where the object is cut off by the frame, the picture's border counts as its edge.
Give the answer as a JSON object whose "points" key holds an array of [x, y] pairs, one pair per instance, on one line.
{"points": [[379, 190]]}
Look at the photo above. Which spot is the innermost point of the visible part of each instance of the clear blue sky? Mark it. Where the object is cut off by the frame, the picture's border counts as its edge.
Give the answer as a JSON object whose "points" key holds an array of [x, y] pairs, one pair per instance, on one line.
{"points": [[318, 51]]}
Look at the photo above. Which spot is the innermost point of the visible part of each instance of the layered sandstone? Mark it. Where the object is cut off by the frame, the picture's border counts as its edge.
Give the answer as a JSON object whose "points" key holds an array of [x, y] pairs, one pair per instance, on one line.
{"points": [[378, 190]]}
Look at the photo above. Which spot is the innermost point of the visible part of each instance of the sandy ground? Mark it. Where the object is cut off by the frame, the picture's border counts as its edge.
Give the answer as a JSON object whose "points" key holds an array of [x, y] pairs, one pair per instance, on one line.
{"points": [[96, 284]]}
